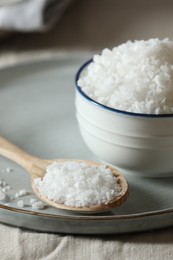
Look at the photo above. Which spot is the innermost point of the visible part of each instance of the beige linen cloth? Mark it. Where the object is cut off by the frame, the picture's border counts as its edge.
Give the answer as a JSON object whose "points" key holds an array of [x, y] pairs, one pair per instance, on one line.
{"points": [[18, 244], [21, 244]]}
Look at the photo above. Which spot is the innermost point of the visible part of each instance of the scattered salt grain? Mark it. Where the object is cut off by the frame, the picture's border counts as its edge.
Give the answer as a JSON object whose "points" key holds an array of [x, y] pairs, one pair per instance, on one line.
{"points": [[135, 76], [32, 201], [78, 184], [38, 205], [2, 195], [9, 169], [16, 195], [22, 193], [8, 187], [20, 203]]}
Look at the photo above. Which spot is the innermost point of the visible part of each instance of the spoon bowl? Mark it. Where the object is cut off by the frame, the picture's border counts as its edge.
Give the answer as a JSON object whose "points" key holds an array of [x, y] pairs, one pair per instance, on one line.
{"points": [[36, 167]]}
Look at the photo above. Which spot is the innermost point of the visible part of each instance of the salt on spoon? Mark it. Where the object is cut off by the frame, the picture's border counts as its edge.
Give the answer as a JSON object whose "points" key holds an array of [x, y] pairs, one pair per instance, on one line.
{"points": [[107, 196]]}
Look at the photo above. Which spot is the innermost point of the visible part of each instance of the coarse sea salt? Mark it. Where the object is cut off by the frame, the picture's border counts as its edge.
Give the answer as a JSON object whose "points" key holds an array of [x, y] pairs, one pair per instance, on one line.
{"points": [[33, 200], [9, 169], [4, 197], [38, 205], [135, 76], [78, 184], [20, 203]]}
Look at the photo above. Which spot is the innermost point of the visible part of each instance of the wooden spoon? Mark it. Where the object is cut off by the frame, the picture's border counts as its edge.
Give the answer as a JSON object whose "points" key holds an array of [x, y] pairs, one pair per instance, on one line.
{"points": [[36, 167]]}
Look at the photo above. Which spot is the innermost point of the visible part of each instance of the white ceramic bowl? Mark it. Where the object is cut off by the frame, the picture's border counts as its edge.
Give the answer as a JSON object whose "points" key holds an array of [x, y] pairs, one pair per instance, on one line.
{"points": [[138, 144]]}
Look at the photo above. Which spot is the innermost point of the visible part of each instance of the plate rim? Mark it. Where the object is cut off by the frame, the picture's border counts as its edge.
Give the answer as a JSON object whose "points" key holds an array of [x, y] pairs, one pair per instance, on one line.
{"points": [[89, 217]]}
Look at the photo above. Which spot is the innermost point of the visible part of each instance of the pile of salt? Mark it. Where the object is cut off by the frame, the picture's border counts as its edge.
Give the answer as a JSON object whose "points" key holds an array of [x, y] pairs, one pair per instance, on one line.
{"points": [[78, 184], [134, 76]]}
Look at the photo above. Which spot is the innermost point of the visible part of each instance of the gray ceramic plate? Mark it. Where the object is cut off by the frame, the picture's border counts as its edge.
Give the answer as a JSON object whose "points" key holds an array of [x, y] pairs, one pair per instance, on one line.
{"points": [[37, 113]]}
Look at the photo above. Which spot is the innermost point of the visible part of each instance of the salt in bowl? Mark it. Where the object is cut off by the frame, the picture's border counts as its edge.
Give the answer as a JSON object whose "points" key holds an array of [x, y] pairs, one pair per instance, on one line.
{"points": [[137, 144]]}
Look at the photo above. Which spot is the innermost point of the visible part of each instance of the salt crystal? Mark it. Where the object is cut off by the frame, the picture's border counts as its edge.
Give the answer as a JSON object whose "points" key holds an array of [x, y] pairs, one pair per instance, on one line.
{"points": [[32, 201], [2, 195], [77, 184], [5, 187], [38, 205], [22, 193], [9, 169], [20, 203], [8, 187], [134, 76], [16, 195]]}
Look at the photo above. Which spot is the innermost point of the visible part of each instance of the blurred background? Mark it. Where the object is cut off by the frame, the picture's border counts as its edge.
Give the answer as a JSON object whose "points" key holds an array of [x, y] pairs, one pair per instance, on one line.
{"points": [[82, 24]]}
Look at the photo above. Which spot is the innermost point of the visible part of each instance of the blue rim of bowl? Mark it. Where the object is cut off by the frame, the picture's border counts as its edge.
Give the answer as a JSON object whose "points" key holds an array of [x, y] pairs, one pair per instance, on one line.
{"points": [[77, 77]]}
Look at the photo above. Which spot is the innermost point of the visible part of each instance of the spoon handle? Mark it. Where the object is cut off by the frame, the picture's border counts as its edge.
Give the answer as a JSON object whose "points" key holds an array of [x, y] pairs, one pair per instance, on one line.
{"points": [[14, 153]]}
